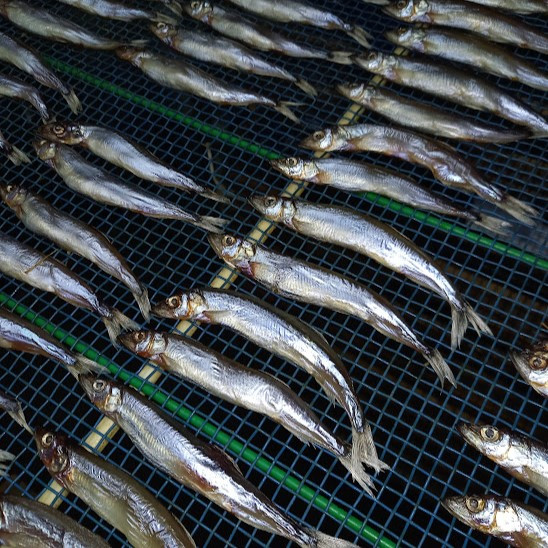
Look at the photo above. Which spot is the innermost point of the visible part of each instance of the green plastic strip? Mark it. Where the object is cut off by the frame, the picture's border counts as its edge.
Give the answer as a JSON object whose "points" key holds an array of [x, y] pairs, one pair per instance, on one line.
{"points": [[254, 148], [189, 416]]}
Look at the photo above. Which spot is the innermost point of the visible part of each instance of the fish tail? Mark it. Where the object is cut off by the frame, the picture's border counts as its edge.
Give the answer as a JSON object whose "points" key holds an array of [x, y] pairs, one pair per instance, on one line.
{"points": [[306, 87], [327, 541], [116, 323], [493, 224], [211, 195], [439, 365], [360, 35], [340, 57], [6, 458], [13, 408], [364, 450], [143, 301], [518, 209], [461, 315], [283, 108], [73, 101], [163, 18], [358, 473], [211, 224], [84, 365], [17, 156]]}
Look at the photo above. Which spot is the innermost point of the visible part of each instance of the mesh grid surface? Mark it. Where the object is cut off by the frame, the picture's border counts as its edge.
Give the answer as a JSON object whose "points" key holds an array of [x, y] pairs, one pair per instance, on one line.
{"points": [[413, 419]]}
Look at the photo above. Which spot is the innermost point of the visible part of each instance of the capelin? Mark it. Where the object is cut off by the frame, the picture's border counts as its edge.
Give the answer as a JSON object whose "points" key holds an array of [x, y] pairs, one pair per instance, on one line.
{"points": [[319, 140], [407, 37], [296, 168], [487, 439], [356, 92], [53, 450], [184, 306], [407, 10], [231, 248], [13, 195], [105, 394], [274, 208], [144, 343], [62, 132], [200, 10], [532, 364], [45, 150], [164, 31], [130, 53], [375, 61]]}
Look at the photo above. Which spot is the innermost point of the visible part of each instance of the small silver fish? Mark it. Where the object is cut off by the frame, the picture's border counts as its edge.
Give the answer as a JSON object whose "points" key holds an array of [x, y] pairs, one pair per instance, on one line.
{"points": [[306, 282], [516, 6], [15, 89], [524, 458], [112, 9], [532, 365], [14, 52], [123, 152], [445, 163], [508, 520], [13, 153]]}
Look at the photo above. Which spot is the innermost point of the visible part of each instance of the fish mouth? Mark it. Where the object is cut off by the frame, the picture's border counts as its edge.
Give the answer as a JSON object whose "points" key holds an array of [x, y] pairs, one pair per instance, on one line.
{"points": [[470, 433], [257, 202], [86, 382], [276, 163], [308, 143], [163, 311], [521, 364], [452, 505], [216, 242], [126, 340]]}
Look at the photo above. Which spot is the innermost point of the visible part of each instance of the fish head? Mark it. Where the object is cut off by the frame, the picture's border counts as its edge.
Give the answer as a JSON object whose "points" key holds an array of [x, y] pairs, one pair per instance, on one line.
{"points": [[105, 394], [14, 195], [409, 10], [279, 209], [199, 9], [235, 251], [532, 364], [408, 37], [62, 132], [377, 62], [144, 343], [320, 140], [190, 305], [45, 150], [164, 31], [53, 450], [489, 440], [296, 168], [131, 53], [356, 92]]}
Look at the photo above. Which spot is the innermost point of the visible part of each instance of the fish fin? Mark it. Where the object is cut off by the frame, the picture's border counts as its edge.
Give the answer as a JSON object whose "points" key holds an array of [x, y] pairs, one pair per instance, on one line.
{"points": [[358, 473], [439, 365], [363, 450], [175, 7], [326, 541], [306, 87], [461, 317], [211, 195], [493, 224], [14, 409], [518, 209], [163, 18], [211, 224], [137, 43], [73, 101], [84, 365], [340, 57], [283, 108], [6, 458], [360, 35], [116, 323], [17, 156], [143, 302]]}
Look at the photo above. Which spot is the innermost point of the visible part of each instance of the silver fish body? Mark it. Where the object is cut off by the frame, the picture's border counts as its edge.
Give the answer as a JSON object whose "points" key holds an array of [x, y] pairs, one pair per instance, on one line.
{"points": [[74, 236], [493, 24], [111, 493], [425, 117], [84, 178], [508, 520], [121, 151], [306, 282], [281, 334], [248, 388], [234, 26], [516, 6], [201, 466], [15, 155], [456, 85], [15, 89], [363, 234], [524, 458], [471, 49], [223, 51], [180, 75], [15, 53], [31, 524], [27, 265], [293, 11], [532, 364], [445, 163], [43, 23], [354, 176], [111, 9]]}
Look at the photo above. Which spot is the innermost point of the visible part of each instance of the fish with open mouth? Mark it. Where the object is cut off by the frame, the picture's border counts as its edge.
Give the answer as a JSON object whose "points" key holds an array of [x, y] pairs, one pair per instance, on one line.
{"points": [[203, 467], [30, 266], [180, 75], [13, 154], [90, 181], [15, 89], [532, 365], [14, 52], [123, 152], [508, 520], [354, 176], [445, 163], [53, 27], [233, 25], [73, 236], [222, 51], [424, 117], [471, 49], [456, 85], [524, 458], [19, 334], [281, 334], [347, 228], [293, 11], [493, 24], [306, 282]]}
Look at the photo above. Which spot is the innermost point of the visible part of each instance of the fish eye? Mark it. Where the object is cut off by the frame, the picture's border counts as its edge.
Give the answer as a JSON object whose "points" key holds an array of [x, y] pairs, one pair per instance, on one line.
{"points": [[490, 433], [195, 5], [229, 240], [99, 385], [475, 504], [174, 302], [319, 135], [140, 336], [537, 363], [401, 4], [161, 26], [372, 56], [402, 31], [58, 129], [10, 188], [270, 201], [47, 439], [292, 161]]}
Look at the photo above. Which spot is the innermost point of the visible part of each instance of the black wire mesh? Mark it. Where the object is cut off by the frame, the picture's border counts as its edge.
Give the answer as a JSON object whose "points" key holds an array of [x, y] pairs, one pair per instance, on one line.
{"points": [[414, 420]]}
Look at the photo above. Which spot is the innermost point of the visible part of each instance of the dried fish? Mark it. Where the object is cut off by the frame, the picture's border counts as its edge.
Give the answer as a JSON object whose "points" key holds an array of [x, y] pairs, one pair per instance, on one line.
{"points": [[111, 9], [532, 365]]}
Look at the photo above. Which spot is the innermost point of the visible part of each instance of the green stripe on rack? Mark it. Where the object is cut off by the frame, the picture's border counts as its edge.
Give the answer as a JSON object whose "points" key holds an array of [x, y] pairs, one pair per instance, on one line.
{"points": [[188, 415], [254, 148]]}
